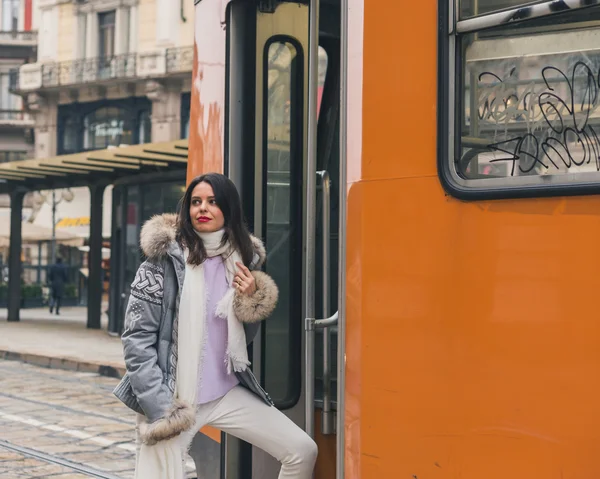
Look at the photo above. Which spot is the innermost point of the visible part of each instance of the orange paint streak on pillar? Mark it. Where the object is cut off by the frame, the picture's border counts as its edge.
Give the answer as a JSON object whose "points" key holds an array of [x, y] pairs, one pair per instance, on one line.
{"points": [[206, 139], [194, 158]]}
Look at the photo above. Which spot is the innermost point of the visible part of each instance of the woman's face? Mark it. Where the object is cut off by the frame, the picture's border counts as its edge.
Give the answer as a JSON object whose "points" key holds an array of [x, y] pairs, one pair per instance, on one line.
{"points": [[205, 215]]}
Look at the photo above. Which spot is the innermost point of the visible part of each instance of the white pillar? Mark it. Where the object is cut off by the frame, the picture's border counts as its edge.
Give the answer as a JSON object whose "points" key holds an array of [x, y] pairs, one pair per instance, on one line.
{"points": [[21, 25], [166, 22], [46, 129], [81, 39], [133, 29], [91, 43], [166, 115], [48, 35], [122, 31]]}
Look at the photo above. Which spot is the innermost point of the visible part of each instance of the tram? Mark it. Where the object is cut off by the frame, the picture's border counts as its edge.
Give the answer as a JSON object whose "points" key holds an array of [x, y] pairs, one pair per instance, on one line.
{"points": [[425, 177]]}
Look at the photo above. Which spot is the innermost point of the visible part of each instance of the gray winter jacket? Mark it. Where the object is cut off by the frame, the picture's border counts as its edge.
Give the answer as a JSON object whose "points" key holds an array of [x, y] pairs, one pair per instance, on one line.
{"points": [[150, 336]]}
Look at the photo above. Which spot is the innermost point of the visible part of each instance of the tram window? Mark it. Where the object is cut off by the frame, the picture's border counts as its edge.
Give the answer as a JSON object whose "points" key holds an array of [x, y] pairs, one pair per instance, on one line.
{"points": [[283, 216], [471, 8], [527, 106], [323, 62]]}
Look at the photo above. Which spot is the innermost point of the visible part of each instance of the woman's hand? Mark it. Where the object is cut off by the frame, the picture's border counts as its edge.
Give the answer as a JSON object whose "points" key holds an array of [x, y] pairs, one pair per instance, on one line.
{"points": [[243, 281]]}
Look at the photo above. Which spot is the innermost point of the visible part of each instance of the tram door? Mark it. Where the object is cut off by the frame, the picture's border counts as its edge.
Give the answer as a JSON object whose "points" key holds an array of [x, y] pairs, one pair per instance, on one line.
{"points": [[279, 214]]}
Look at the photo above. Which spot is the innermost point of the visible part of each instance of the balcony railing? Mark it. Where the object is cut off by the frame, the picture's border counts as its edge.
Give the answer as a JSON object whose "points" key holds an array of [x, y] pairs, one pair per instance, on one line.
{"points": [[180, 59], [152, 64], [14, 37], [13, 115], [88, 70]]}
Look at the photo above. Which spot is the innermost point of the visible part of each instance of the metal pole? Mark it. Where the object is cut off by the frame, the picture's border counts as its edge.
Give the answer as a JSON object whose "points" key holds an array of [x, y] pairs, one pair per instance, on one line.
{"points": [[327, 414], [53, 247], [311, 177], [94, 303], [341, 359], [14, 255], [39, 265]]}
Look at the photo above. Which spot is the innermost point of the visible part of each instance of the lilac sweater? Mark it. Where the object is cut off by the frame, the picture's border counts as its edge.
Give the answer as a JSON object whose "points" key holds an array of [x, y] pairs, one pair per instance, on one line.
{"points": [[214, 382]]}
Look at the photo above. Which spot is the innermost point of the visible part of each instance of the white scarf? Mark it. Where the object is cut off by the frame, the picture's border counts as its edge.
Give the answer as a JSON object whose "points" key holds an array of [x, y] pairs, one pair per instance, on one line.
{"points": [[165, 460]]}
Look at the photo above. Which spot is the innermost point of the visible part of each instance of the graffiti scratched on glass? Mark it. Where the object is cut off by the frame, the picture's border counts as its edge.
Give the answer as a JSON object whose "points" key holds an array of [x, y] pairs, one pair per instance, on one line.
{"points": [[545, 124]]}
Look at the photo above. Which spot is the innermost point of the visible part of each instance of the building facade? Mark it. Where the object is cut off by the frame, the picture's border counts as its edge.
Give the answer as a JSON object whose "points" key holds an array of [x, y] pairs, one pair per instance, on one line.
{"points": [[18, 44], [108, 73]]}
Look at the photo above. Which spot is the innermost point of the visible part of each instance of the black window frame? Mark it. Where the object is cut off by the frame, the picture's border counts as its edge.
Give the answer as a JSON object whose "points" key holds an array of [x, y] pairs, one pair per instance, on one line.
{"points": [[296, 210], [450, 93]]}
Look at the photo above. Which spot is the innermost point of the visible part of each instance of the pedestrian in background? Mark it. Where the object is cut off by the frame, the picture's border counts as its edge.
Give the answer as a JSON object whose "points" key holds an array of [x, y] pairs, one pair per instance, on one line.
{"points": [[194, 306], [57, 277]]}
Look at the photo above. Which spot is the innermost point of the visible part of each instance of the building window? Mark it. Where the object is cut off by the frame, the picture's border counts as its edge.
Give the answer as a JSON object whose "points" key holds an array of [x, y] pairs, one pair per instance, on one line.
{"points": [[106, 45], [8, 101], [98, 125], [522, 108], [106, 127], [106, 31], [70, 136], [144, 127], [10, 15]]}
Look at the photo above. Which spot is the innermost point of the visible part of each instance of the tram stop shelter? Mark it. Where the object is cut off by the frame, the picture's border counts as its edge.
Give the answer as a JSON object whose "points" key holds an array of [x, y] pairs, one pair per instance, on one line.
{"points": [[95, 170]]}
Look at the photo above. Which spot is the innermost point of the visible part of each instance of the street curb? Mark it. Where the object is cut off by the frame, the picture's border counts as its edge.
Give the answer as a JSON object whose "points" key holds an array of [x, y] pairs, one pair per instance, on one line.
{"points": [[67, 364]]}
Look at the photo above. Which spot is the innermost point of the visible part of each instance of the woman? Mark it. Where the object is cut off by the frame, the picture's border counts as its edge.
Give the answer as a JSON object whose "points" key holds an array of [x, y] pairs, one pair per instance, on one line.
{"points": [[195, 304]]}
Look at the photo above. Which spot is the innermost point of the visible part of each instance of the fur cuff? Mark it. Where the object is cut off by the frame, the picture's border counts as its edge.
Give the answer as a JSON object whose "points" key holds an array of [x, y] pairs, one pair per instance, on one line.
{"points": [[250, 309], [179, 418]]}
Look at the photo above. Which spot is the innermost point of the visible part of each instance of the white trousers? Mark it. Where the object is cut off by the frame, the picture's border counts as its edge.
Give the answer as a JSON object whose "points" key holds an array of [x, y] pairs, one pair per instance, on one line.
{"points": [[243, 415]]}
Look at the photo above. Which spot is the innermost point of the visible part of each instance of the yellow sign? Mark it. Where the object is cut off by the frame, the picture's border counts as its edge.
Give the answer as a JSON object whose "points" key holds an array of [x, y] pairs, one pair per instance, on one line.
{"points": [[73, 222]]}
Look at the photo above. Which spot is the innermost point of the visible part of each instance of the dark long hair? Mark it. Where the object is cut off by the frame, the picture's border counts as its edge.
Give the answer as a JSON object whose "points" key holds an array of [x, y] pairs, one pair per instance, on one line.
{"points": [[228, 200]]}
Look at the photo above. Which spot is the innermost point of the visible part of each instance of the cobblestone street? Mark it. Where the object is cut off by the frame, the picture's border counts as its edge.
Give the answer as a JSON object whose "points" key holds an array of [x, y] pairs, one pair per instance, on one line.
{"points": [[63, 425]]}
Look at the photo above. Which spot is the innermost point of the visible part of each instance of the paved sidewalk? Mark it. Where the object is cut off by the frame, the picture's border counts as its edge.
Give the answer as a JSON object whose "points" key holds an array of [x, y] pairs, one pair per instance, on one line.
{"points": [[64, 425], [61, 342]]}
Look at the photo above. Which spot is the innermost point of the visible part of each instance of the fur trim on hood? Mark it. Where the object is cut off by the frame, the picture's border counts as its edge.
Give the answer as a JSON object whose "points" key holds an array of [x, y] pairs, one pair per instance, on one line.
{"points": [[160, 231]]}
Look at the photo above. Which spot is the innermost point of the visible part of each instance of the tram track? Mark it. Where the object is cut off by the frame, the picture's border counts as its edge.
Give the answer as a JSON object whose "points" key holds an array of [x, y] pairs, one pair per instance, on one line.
{"points": [[62, 424], [80, 379], [82, 384], [58, 407], [56, 460]]}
